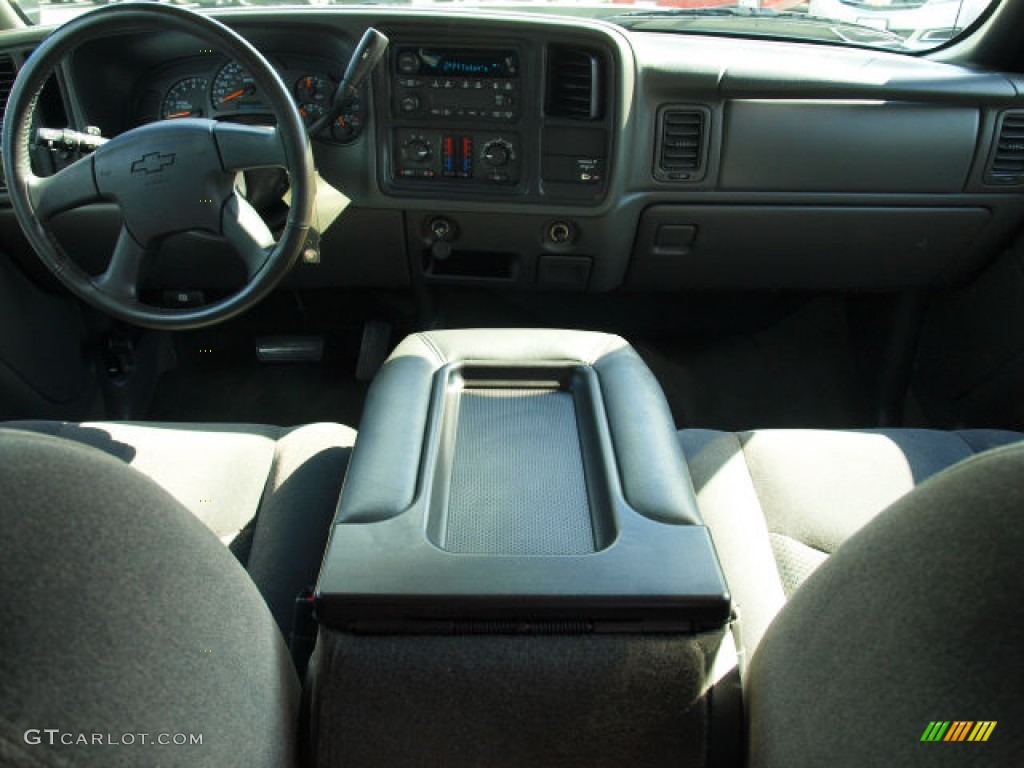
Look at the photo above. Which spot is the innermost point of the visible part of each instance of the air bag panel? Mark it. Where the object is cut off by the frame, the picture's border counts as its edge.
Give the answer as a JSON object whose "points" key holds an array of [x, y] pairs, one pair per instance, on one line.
{"points": [[855, 146]]}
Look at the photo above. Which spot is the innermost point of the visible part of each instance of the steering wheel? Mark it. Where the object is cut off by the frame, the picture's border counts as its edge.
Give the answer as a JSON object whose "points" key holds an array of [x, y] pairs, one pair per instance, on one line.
{"points": [[166, 177]]}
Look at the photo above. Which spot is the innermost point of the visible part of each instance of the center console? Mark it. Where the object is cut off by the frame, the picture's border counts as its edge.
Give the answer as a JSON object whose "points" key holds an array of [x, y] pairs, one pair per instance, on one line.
{"points": [[453, 93], [517, 552], [523, 118]]}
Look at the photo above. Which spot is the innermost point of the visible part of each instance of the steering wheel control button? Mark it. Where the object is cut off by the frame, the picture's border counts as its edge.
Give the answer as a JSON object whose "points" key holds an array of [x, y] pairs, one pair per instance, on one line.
{"points": [[183, 299]]}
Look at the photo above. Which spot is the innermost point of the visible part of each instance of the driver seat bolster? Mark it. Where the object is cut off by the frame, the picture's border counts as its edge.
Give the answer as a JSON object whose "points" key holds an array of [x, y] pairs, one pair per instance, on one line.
{"points": [[269, 493]]}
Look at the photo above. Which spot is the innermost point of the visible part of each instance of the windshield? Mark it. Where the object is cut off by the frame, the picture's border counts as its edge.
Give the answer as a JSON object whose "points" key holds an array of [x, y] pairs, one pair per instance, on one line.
{"points": [[903, 25]]}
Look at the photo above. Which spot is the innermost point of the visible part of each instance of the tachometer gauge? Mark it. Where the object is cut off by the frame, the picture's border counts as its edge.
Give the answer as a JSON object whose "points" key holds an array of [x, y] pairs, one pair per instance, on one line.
{"points": [[186, 98], [233, 88]]}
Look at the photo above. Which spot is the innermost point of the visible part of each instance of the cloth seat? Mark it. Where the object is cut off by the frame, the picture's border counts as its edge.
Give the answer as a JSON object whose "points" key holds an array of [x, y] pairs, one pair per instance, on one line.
{"points": [[269, 493], [779, 502], [903, 649], [131, 636]]}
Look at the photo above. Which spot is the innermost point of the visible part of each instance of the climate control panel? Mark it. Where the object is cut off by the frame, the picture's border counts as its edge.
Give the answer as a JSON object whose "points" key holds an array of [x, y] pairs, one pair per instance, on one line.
{"points": [[455, 155]]}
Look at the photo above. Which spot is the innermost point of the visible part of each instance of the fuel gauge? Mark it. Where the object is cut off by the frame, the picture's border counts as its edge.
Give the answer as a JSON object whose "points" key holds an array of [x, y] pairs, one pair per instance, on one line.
{"points": [[311, 111]]}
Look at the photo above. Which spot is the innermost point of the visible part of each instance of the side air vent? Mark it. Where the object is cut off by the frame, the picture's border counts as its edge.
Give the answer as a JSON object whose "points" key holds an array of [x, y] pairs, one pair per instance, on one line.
{"points": [[7, 75], [574, 83], [682, 144], [1006, 166]]}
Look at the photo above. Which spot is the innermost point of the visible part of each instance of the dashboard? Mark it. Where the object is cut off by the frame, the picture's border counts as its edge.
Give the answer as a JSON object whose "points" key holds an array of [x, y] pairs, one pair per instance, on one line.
{"points": [[541, 153]]}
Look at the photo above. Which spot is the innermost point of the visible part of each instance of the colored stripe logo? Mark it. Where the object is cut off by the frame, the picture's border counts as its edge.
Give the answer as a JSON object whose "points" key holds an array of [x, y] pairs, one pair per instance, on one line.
{"points": [[958, 730]]}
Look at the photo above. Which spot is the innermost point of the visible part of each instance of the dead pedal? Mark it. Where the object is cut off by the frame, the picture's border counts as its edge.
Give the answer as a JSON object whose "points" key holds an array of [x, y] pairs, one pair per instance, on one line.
{"points": [[290, 349]]}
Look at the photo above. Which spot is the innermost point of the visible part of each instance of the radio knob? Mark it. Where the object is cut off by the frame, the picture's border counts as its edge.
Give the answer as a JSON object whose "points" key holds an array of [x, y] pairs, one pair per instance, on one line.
{"points": [[408, 63], [409, 103], [416, 149], [497, 153]]}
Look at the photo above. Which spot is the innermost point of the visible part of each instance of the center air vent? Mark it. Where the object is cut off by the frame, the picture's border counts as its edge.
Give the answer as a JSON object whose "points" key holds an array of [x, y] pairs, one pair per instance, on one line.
{"points": [[682, 134], [1006, 166], [574, 83]]}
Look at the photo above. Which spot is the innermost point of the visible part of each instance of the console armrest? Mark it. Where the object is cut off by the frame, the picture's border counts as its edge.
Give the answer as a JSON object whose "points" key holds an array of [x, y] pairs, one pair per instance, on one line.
{"points": [[531, 475]]}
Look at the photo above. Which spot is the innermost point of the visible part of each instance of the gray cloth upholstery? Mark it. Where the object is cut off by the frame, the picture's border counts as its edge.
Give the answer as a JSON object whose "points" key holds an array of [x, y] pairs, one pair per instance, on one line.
{"points": [[916, 618], [269, 493], [779, 502], [123, 614]]}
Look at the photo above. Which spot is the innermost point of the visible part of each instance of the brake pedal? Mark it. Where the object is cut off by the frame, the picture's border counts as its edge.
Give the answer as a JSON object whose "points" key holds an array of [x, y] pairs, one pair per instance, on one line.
{"points": [[373, 349], [290, 349]]}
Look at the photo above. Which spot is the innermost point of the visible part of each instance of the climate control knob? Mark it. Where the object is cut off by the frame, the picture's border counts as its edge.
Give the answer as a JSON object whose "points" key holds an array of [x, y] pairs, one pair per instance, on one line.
{"points": [[416, 150], [497, 153]]}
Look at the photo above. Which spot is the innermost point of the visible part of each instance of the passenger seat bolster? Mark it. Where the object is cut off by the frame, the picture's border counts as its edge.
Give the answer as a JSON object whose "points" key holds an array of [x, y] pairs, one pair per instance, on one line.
{"points": [[296, 512], [730, 506]]}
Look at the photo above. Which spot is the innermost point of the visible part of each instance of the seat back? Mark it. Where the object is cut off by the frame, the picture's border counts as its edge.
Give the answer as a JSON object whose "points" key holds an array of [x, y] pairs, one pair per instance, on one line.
{"points": [[916, 620], [131, 636]]}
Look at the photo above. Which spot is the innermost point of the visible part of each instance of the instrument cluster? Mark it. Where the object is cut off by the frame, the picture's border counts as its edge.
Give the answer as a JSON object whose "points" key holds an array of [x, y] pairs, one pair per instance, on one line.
{"points": [[228, 92]]}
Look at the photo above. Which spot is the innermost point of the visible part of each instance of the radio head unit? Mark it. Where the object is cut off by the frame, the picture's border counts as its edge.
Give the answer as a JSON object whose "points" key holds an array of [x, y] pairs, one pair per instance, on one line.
{"points": [[439, 62], [478, 84]]}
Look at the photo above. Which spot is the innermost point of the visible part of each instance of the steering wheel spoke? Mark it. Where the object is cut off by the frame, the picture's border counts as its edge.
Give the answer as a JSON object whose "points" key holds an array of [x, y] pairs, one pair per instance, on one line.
{"points": [[243, 147], [121, 278], [71, 187], [248, 234]]}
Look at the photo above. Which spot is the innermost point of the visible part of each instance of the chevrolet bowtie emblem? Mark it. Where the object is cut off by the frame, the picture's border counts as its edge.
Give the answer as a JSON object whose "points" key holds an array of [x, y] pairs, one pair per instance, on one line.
{"points": [[154, 162]]}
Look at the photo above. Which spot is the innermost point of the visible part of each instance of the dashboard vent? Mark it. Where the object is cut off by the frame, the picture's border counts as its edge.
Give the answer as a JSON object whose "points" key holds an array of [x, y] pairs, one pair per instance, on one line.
{"points": [[7, 75], [682, 135], [1006, 166], [574, 83]]}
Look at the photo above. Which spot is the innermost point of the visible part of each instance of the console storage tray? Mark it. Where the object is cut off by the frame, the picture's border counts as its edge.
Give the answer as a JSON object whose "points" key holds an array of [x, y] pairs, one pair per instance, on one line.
{"points": [[547, 486]]}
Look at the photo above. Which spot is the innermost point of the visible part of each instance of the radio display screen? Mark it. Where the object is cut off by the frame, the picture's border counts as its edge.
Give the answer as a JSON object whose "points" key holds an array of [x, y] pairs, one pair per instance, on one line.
{"points": [[465, 63]]}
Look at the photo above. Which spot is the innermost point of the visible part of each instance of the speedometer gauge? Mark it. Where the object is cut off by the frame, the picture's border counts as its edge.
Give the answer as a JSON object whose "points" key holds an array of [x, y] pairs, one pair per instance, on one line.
{"points": [[186, 98], [233, 88]]}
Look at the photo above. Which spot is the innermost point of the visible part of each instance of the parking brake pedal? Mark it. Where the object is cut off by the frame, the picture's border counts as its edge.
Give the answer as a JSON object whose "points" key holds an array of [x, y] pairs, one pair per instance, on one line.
{"points": [[373, 349], [290, 349]]}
